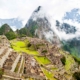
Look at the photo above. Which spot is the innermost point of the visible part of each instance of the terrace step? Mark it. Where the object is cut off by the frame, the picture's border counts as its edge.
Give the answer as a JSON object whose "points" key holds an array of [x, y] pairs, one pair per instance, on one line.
{"points": [[10, 60], [4, 58], [15, 63], [3, 51], [21, 64]]}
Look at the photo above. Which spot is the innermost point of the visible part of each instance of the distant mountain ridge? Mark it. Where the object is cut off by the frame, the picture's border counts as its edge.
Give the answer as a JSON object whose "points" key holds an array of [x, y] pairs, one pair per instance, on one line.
{"points": [[15, 23], [7, 31], [39, 26], [68, 29]]}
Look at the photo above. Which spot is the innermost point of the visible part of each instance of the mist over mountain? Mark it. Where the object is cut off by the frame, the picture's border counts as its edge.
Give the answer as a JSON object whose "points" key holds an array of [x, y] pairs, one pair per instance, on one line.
{"points": [[6, 30], [41, 19], [39, 26], [60, 33]]}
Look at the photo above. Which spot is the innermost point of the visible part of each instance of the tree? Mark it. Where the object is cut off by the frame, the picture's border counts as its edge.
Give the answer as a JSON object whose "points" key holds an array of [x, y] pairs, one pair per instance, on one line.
{"points": [[10, 35], [1, 72]]}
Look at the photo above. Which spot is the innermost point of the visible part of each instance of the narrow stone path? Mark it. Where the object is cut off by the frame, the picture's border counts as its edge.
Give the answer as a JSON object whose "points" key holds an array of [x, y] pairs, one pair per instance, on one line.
{"points": [[15, 63]]}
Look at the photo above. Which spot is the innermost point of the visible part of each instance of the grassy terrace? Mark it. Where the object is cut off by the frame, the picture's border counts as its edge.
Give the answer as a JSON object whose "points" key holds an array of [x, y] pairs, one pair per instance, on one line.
{"points": [[48, 74], [69, 60], [21, 46], [22, 66], [42, 60], [17, 67]]}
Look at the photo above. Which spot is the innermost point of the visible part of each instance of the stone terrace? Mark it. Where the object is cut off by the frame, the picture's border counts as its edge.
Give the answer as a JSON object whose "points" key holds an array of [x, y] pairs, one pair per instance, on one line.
{"points": [[10, 60], [32, 67]]}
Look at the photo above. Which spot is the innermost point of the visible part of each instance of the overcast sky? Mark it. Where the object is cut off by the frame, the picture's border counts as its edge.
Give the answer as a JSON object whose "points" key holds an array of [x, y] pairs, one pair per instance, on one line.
{"points": [[24, 8]]}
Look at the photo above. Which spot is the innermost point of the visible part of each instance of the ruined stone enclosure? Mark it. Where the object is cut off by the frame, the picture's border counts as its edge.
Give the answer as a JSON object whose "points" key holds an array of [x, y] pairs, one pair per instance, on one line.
{"points": [[15, 66]]}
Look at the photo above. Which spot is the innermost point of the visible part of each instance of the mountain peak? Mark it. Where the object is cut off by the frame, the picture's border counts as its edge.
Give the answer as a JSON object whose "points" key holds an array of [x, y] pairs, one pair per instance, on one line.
{"points": [[39, 7], [39, 13], [6, 30], [6, 27], [39, 25]]}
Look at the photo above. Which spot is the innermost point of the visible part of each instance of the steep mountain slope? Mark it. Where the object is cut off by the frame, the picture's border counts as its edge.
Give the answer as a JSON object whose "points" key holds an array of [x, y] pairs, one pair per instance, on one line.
{"points": [[63, 33], [39, 26], [7, 31], [70, 43]]}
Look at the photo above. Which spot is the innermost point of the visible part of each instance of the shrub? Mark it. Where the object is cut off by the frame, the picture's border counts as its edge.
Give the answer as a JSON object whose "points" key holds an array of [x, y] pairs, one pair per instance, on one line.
{"points": [[63, 60], [76, 75], [1, 72], [44, 51]]}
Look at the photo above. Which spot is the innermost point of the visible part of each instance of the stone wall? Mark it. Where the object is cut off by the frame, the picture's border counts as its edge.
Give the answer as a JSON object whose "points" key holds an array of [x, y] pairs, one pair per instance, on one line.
{"points": [[13, 74]]}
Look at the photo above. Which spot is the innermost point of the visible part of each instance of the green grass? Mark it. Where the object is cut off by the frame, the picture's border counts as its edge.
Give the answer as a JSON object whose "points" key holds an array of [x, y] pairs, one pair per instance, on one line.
{"points": [[22, 66], [42, 60], [17, 67], [48, 74], [20, 46], [54, 68], [69, 60], [74, 53]]}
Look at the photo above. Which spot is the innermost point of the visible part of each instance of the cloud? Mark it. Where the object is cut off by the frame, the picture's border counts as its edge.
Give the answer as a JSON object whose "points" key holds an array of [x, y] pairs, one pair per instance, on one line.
{"points": [[24, 8]]}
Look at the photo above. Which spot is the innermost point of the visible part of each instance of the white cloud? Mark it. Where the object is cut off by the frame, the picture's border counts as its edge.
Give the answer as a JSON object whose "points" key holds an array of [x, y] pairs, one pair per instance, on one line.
{"points": [[13, 28], [24, 8]]}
